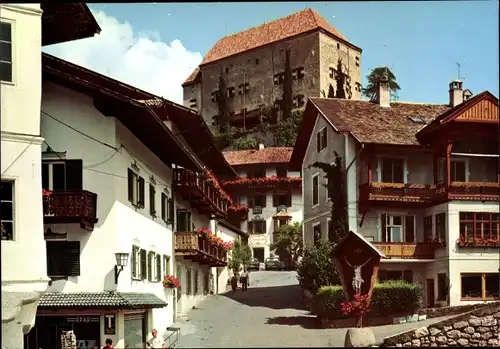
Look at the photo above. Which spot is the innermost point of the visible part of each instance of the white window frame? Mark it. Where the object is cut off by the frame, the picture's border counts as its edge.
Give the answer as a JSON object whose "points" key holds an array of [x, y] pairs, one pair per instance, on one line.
{"points": [[13, 51], [390, 157], [312, 190], [327, 197], [14, 208], [166, 264], [442, 169], [152, 261], [327, 228], [137, 262], [467, 171], [318, 135], [403, 225], [50, 164]]}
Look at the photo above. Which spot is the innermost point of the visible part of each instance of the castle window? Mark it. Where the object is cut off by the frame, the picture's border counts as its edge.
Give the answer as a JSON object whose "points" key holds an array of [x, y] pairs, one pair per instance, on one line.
{"points": [[331, 72], [243, 88], [357, 61], [256, 61], [192, 103], [230, 92], [214, 96], [338, 46], [279, 78], [227, 70], [299, 101], [299, 73]]}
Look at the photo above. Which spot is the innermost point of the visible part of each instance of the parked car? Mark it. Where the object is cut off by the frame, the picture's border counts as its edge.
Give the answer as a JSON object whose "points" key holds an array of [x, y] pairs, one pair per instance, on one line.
{"points": [[254, 264], [274, 263]]}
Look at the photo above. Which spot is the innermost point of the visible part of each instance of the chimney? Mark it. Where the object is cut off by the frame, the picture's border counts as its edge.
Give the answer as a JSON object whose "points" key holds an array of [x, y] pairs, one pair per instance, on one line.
{"points": [[456, 93], [383, 93], [261, 146]]}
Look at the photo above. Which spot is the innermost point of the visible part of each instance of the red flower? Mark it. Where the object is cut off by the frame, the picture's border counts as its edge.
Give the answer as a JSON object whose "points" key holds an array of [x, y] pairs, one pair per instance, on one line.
{"points": [[357, 307], [46, 192], [238, 208], [211, 178], [263, 180], [227, 245], [478, 242], [171, 281]]}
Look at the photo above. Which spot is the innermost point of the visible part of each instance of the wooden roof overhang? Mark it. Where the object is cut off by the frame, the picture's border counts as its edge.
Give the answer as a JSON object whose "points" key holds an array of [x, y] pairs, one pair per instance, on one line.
{"points": [[199, 137], [62, 22], [476, 116], [140, 119]]}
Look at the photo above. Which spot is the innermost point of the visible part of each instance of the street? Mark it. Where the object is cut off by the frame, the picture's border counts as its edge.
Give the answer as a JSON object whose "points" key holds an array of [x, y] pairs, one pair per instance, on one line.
{"points": [[269, 314]]}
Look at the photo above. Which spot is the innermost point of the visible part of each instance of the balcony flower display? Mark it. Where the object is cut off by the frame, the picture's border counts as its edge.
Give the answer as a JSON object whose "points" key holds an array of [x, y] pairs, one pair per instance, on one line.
{"points": [[475, 184], [211, 178], [478, 242], [387, 185], [273, 180], [237, 208], [212, 238], [171, 281], [438, 241], [227, 245], [46, 192]]}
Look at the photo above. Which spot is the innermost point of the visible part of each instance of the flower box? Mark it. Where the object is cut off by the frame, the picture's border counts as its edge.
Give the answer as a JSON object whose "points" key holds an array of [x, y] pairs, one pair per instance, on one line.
{"points": [[478, 242]]}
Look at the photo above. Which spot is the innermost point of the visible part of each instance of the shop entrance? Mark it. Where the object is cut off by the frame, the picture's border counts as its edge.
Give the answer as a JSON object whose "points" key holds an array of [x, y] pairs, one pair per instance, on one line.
{"points": [[135, 330], [46, 334]]}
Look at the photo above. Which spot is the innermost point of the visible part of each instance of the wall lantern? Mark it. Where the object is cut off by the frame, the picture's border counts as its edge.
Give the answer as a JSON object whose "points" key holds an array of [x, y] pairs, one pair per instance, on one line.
{"points": [[121, 262]]}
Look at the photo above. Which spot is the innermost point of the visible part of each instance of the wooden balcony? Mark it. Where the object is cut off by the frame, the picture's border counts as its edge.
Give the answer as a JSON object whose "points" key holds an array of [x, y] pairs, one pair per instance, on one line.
{"points": [[191, 245], [71, 207], [200, 192], [396, 193], [476, 191], [237, 213], [407, 250]]}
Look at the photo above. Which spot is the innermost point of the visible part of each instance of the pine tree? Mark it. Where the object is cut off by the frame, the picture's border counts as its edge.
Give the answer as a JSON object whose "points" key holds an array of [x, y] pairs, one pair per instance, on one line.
{"points": [[340, 78], [287, 102]]}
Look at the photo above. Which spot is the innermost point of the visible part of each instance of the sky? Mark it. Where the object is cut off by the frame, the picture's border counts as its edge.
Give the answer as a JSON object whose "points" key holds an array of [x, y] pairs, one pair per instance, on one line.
{"points": [[155, 46]]}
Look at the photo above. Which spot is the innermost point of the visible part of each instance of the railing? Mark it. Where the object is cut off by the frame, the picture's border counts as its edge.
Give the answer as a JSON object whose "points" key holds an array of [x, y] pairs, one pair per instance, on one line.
{"points": [[200, 192], [407, 250], [67, 206], [191, 243], [474, 190]]}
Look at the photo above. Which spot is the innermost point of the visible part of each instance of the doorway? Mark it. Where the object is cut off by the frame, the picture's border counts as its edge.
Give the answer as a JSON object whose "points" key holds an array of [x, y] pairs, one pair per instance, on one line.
{"points": [[258, 252], [430, 293]]}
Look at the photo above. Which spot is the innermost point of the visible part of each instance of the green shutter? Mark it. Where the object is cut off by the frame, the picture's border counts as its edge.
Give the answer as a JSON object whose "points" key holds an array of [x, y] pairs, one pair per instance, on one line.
{"points": [[144, 264]]}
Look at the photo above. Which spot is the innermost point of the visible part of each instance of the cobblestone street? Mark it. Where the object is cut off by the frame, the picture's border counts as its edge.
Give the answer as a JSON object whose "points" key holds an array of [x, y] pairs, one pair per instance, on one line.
{"points": [[269, 314]]}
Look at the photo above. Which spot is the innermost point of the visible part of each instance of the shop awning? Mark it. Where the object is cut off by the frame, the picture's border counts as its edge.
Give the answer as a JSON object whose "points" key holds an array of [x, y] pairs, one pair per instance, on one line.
{"points": [[100, 300]]}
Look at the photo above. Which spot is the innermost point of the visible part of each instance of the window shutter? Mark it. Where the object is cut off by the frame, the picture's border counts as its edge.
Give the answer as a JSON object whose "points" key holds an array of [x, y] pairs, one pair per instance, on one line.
{"points": [[408, 276], [158, 267], [45, 176], [134, 261], [250, 227], [180, 221], [318, 142], [275, 200], [152, 206], [163, 208], [409, 229], [74, 174], [251, 202], [144, 264], [130, 176], [72, 259], [190, 225], [141, 200], [264, 200], [383, 226], [170, 215], [289, 200], [54, 252], [150, 266]]}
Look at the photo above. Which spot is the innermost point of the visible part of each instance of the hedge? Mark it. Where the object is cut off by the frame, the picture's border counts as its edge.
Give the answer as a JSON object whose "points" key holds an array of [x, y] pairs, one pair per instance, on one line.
{"points": [[388, 298]]}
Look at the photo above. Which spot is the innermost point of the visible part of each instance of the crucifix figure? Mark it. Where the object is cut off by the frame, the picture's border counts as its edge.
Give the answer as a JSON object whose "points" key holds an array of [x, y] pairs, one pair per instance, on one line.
{"points": [[357, 280]]}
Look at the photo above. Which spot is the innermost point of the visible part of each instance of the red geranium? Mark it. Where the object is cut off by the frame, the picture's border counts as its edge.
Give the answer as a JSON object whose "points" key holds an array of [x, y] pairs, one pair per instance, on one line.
{"points": [[211, 177], [263, 180], [171, 281], [357, 307], [227, 245], [46, 192], [238, 208], [478, 242]]}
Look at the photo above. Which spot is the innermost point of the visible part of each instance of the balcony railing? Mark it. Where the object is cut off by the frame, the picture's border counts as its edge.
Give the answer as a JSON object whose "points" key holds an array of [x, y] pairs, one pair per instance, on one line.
{"points": [[428, 194], [71, 207], [197, 248], [200, 192], [407, 250]]}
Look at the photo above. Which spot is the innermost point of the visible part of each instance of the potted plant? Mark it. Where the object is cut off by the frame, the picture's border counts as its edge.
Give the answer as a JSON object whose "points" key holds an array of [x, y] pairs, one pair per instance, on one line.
{"points": [[171, 282]]}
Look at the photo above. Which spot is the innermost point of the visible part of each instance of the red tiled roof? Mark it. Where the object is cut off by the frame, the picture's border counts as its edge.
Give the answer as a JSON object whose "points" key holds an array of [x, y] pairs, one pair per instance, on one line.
{"points": [[273, 155], [368, 122], [277, 30], [193, 77]]}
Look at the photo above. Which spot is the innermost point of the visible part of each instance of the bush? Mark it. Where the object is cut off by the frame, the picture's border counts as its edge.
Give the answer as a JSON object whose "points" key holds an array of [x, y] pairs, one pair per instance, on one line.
{"points": [[317, 269], [245, 143], [388, 298]]}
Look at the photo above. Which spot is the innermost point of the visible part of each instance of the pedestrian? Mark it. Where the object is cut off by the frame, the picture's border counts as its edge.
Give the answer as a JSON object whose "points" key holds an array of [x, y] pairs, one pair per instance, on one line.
{"points": [[156, 342], [234, 282], [109, 344], [244, 279]]}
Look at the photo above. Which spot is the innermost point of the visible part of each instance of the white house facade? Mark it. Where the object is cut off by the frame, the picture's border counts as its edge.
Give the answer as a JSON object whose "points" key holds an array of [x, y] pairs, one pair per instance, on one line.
{"points": [[111, 206], [272, 194], [422, 184], [24, 271]]}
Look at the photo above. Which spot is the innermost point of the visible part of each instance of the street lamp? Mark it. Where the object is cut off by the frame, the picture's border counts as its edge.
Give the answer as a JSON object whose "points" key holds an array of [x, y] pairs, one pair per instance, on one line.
{"points": [[121, 262]]}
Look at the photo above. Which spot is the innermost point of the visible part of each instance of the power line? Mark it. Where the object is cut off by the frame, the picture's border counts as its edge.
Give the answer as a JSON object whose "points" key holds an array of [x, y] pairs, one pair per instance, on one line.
{"points": [[19, 156]]}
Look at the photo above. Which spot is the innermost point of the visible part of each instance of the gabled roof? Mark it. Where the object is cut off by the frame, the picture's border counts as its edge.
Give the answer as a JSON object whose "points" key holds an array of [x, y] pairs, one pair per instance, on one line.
{"points": [[194, 77], [280, 29], [271, 155], [366, 121], [62, 22], [457, 111], [360, 237]]}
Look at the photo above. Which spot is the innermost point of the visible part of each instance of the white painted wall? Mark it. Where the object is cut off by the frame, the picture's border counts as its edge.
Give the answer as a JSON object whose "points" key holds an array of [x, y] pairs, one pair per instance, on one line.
{"points": [[24, 258], [223, 274]]}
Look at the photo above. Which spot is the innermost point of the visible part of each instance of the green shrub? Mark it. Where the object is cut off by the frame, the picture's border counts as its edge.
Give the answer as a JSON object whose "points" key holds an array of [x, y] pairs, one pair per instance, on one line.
{"points": [[387, 298], [245, 143], [317, 269]]}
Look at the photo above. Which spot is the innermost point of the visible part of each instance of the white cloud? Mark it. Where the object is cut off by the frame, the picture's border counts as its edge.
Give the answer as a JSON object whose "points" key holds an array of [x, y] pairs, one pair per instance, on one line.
{"points": [[138, 59]]}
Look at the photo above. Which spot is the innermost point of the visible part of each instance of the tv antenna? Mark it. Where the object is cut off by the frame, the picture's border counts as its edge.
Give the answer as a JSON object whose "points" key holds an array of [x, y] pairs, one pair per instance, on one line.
{"points": [[459, 77]]}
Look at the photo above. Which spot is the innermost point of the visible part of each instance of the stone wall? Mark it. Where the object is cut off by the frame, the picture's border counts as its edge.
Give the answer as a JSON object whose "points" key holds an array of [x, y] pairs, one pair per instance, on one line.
{"points": [[479, 327]]}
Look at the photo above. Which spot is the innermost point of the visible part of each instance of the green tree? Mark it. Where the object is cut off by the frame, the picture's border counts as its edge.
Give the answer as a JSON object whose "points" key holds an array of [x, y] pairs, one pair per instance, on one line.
{"points": [[222, 117], [317, 269], [240, 255], [287, 101], [288, 243], [337, 193], [286, 131], [380, 74]]}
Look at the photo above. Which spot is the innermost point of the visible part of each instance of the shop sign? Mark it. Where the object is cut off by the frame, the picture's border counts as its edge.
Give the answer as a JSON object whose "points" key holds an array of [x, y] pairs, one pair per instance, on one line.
{"points": [[109, 324], [83, 319]]}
